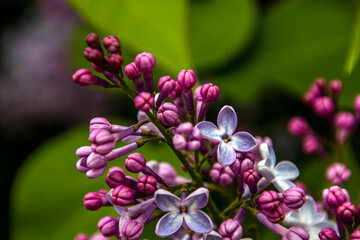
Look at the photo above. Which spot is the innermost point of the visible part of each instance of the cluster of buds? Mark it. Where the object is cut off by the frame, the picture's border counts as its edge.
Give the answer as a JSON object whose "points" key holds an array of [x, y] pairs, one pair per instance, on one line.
{"points": [[212, 156]]}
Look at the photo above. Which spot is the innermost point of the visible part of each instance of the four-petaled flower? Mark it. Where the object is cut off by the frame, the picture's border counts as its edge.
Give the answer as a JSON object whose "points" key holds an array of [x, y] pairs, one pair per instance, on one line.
{"points": [[182, 210], [224, 135], [308, 218], [279, 175]]}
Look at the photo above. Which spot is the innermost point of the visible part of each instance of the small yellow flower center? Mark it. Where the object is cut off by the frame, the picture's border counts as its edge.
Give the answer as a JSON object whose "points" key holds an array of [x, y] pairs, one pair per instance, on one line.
{"points": [[183, 208], [226, 140]]}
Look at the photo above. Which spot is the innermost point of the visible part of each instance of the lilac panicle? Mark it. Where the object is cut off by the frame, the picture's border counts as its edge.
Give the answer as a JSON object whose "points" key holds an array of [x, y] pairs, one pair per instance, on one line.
{"points": [[145, 62], [225, 136], [182, 210]]}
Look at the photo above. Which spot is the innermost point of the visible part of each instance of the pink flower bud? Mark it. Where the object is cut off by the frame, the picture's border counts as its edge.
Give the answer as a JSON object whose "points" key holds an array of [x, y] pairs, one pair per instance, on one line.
{"points": [[328, 234], [84, 77], [346, 213], [355, 235], [116, 61], [92, 201], [147, 184], [296, 233], [294, 197], [334, 197], [298, 126], [269, 200], [166, 86], [108, 226], [135, 162], [345, 120], [186, 79], [168, 114], [357, 104], [81, 236], [95, 56], [324, 106], [338, 173], [336, 87], [311, 144], [230, 229], [96, 161], [222, 175], [115, 178], [251, 178], [122, 196], [112, 44], [103, 141], [131, 71], [144, 101], [92, 40], [99, 123], [275, 216], [132, 230], [210, 92], [145, 62]]}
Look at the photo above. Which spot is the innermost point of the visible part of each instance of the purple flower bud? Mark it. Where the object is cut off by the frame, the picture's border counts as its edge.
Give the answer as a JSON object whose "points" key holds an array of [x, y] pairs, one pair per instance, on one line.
{"points": [[97, 68], [166, 86], [92, 40], [176, 92], [168, 114], [222, 175], [116, 61], [147, 184], [338, 173], [294, 197], [320, 84], [187, 137], [296, 233], [230, 230], [81, 236], [275, 216], [145, 62], [92, 201], [334, 197], [324, 106], [355, 235], [186, 79], [197, 93], [115, 178], [269, 200], [135, 162], [311, 144], [132, 230], [83, 151], [357, 104], [251, 178], [103, 141], [346, 213], [96, 161], [108, 226], [84, 77], [345, 120], [98, 236], [95, 56], [133, 73], [167, 172], [298, 126], [112, 44], [328, 234], [144, 101], [209, 92], [99, 123], [122, 196], [309, 98], [336, 88]]}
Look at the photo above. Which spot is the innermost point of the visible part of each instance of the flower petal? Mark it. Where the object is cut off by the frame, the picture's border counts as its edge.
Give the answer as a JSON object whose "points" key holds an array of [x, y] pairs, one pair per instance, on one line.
{"points": [[286, 170], [210, 131], [264, 168], [167, 201], [212, 236], [197, 199], [226, 155], [242, 141], [198, 221], [282, 184], [293, 219], [227, 120], [307, 212], [169, 224], [267, 152]]}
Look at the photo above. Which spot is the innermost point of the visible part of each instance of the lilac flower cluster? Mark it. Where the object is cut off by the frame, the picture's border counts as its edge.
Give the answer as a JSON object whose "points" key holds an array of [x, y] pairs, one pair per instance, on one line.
{"points": [[213, 157]]}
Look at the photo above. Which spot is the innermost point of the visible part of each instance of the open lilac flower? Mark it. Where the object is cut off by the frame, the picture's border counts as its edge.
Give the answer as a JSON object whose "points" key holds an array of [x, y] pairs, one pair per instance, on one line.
{"points": [[309, 219], [224, 135], [182, 210], [280, 175]]}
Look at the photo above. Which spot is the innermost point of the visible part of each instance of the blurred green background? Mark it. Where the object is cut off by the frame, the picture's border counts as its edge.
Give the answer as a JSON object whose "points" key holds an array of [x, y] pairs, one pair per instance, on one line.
{"points": [[263, 55]]}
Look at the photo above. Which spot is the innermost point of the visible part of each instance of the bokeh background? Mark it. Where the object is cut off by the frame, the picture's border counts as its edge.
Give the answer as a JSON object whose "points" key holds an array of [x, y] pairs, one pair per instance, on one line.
{"points": [[263, 55]]}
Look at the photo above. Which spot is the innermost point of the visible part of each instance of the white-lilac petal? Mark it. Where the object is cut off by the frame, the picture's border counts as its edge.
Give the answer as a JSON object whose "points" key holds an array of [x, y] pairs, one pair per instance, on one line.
{"points": [[198, 221], [197, 199], [267, 153], [212, 236], [227, 120], [210, 131], [167, 201], [307, 212], [242, 141], [286, 170], [169, 224], [226, 155], [264, 168], [283, 184]]}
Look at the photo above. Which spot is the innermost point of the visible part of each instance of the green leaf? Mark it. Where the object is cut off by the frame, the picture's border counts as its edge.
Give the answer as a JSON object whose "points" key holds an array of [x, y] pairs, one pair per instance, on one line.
{"points": [[299, 41], [220, 30], [354, 51], [46, 198], [157, 27]]}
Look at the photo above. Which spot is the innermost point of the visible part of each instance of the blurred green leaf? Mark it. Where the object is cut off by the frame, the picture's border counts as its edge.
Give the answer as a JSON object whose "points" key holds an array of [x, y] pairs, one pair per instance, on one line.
{"points": [[220, 30], [354, 51], [46, 200], [157, 27], [299, 41]]}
